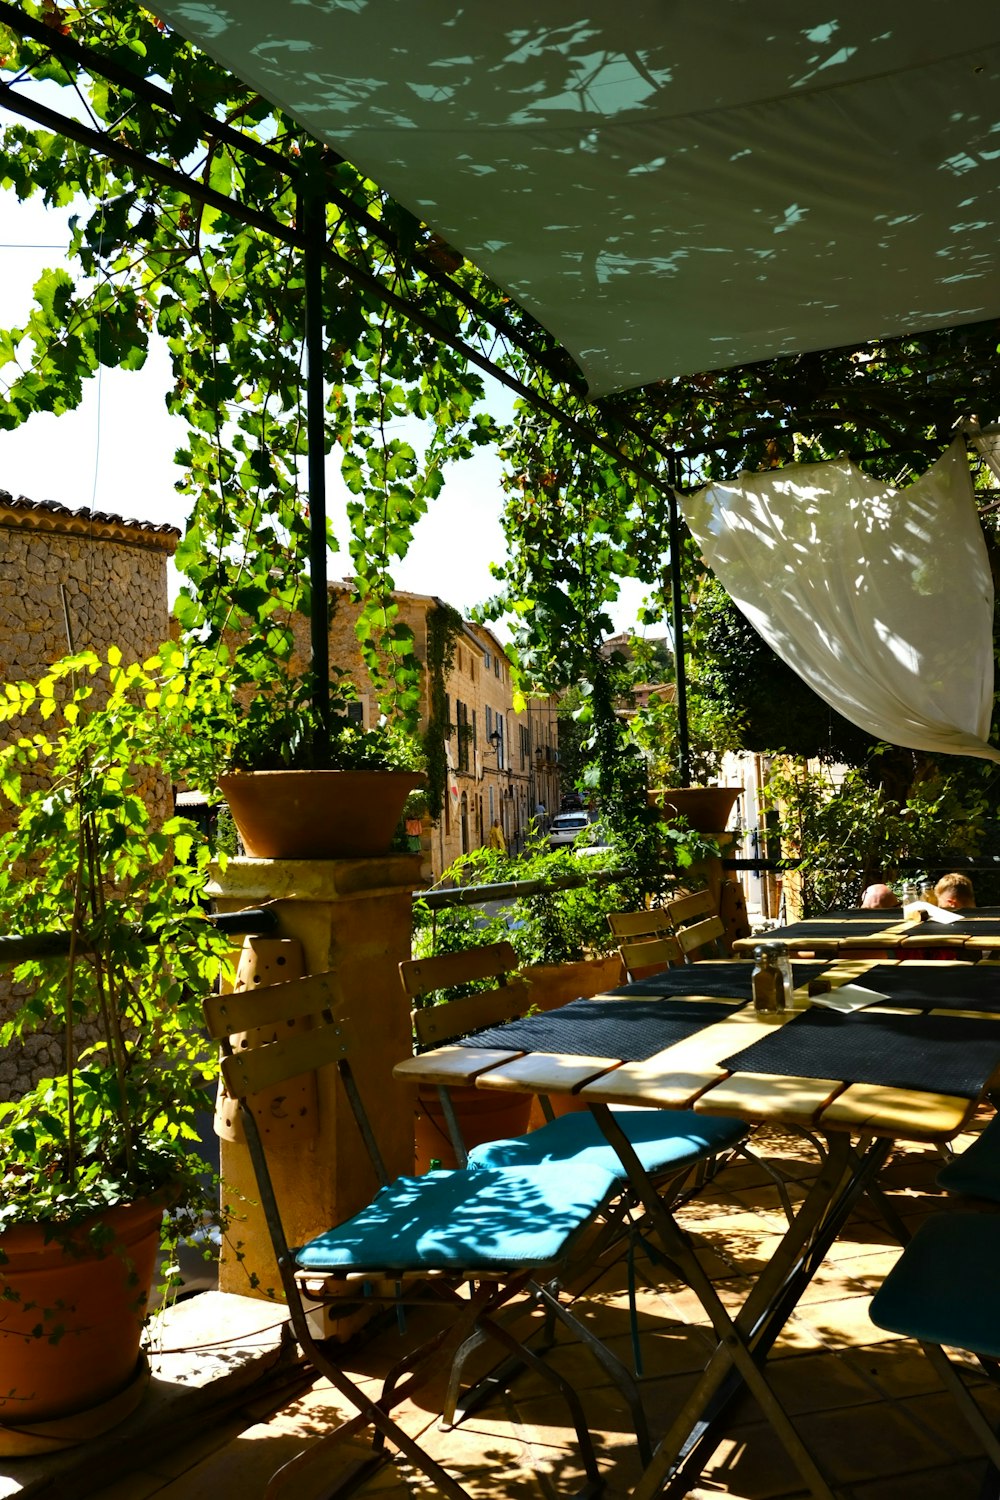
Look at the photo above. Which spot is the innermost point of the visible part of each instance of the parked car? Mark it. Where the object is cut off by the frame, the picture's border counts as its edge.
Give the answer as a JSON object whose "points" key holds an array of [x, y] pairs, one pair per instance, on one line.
{"points": [[566, 827], [593, 842]]}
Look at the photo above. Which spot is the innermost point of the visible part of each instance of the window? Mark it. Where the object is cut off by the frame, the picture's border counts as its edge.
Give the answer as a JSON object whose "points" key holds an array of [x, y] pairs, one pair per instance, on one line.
{"points": [[492, 811], [489, 721], [501, 760], [356, 713], [525, 745], [464, 730], [486, 661], [496, 667]]}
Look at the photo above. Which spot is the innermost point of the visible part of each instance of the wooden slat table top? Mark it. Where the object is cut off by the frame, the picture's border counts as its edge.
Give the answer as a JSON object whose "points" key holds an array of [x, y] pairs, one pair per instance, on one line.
{"points": [[546, 1073], [451, 1065], [773, 1097], [901, 1113], [688, 1075], [675, 1077]]}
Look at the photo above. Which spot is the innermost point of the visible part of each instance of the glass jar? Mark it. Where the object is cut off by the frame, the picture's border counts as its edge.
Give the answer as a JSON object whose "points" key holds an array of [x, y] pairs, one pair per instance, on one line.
{"points": [[783, 964]]}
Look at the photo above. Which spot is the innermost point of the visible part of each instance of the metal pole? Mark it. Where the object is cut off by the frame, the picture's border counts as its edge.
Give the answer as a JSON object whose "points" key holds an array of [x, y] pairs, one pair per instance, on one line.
{"points": [[313, 213], [677, 613]]}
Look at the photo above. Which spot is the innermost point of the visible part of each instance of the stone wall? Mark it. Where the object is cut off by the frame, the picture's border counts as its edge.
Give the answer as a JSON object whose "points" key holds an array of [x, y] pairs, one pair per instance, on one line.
{"points": [[107, 577], [107, 574]]}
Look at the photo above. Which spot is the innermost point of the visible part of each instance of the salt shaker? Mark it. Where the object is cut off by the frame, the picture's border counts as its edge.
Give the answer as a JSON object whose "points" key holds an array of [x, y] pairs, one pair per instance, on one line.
{"points": [[766, 983]]}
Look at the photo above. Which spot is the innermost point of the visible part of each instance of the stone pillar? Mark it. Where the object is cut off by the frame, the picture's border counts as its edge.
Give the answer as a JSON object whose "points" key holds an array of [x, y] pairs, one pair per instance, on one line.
{"points": [[353, 919]]}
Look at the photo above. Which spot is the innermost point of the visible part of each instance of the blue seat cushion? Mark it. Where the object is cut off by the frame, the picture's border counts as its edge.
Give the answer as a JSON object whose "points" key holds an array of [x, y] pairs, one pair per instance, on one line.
{"points": [[664, 1141], [976, 1172], [465, 1220], [944, 1289]]}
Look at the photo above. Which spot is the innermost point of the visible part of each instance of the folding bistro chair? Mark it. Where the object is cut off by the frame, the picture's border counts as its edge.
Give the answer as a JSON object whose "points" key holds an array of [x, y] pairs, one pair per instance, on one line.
{"points": [[676, 1147], [700, 930], [466, 1241], [975, 1172]]}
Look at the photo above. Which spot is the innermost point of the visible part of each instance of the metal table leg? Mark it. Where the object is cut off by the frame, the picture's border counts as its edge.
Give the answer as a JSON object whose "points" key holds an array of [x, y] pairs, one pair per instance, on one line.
{"points": [[745, 1341]]}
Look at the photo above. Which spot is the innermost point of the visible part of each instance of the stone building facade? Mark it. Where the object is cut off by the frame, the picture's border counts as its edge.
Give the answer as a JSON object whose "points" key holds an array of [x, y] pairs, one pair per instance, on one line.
{"points": [[501, 764], [91, 579]]}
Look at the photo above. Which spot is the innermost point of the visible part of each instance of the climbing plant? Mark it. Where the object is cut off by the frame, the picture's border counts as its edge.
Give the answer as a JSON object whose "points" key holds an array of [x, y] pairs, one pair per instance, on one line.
{"points": [[443, 626], [226, 290]]}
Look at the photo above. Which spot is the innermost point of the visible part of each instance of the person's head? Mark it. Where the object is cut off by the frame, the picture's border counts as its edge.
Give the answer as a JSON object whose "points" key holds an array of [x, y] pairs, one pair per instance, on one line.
{"points": [[879, 898], [954, 892]]}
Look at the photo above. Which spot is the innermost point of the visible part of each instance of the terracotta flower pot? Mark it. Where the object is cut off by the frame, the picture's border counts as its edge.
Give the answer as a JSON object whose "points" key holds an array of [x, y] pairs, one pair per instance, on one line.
{"points": [[317, 814], [97, 1298], [706, 808], [482, 1116]]}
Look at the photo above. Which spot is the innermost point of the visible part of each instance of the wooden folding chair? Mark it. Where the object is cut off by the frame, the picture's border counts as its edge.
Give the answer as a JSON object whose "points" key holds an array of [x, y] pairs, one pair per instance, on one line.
{"points": [[467, 1240], [697, 925], [648, 956], [671, 1141], [651, 922]]}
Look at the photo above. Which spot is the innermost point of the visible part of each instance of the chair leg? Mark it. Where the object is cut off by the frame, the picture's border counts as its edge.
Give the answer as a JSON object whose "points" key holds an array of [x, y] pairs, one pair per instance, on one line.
{"points": [[588, 1458], [612, 1366], [775, 1176], [372, 1413], [965, 1401]]}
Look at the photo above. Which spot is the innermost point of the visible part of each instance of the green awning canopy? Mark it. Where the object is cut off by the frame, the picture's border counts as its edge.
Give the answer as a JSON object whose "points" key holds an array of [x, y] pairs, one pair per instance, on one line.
{"points": [[668, 187]]}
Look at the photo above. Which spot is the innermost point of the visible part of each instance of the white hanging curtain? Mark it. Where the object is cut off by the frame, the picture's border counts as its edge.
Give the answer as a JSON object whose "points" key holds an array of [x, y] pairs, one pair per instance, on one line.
{"points": [[880, 599]]}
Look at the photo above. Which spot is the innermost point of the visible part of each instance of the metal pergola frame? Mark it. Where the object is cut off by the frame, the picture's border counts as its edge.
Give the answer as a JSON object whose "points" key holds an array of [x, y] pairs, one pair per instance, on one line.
{"points": [[315, 190], [312, 182]]}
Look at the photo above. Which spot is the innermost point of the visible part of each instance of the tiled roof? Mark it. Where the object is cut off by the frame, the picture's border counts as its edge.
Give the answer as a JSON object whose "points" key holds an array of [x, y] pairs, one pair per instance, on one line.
{"points": [[49, 515]]}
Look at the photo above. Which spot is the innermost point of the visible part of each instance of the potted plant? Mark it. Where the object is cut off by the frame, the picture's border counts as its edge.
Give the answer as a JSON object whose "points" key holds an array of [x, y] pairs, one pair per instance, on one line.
{"points": [[703, 804], [98, 1163], [301, 789]]}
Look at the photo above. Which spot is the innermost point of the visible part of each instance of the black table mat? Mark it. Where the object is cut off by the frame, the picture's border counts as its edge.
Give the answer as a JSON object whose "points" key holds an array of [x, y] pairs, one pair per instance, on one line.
{"points": [[936, 1054], [936, 986], [886, 914], [830, 927], [724, 979], [966, 927], [629, 1029]]}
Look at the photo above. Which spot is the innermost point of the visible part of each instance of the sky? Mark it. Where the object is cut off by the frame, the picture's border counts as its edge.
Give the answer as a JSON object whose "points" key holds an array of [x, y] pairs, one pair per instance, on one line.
{"points": [[115, 453]]}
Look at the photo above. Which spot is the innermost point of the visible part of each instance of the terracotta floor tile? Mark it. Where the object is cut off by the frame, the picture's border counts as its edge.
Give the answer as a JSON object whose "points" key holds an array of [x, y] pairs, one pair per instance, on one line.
{"points": [[134, 1487], [953, 1482], [751, 1463], [941, 1415], [897, 1369], [868, 1441], [818, 1382], [841, 1323]]}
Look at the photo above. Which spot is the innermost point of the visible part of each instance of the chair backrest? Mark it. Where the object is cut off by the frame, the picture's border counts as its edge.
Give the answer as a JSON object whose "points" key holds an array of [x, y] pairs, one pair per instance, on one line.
{"points": [[259, 1050], [648, 956], [635, 924], [436, 1024], [265, 1051], [697, 923]]}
